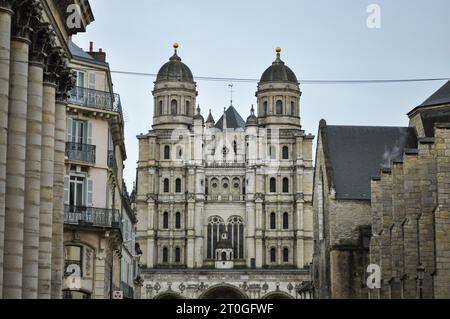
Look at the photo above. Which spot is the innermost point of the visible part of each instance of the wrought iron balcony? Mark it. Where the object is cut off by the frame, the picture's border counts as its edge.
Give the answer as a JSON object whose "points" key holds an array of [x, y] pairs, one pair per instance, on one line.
{"points": [[91, 216], [95, 99], [112, 162], [128, 291], [80, 152]]}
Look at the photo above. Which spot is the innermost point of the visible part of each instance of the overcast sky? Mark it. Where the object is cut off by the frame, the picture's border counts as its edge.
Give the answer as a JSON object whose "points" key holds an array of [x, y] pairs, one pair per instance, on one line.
{"points": [[321, 40]]}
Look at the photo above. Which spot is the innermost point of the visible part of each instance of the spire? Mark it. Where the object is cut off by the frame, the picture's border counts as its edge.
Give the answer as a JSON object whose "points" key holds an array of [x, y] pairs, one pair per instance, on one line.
{"points": [[252, 111], [210, 118], [224, 119], [175, 54], [198, 109]]}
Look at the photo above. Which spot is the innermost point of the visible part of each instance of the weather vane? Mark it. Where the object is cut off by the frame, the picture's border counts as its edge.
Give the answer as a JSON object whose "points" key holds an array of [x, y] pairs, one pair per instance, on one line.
{"points": [[231, 85]]}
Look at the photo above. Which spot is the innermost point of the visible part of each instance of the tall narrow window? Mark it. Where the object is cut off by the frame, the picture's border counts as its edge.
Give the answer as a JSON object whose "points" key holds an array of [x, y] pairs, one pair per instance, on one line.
{"points": [[161, 108], [166, 220], [293, 108], [279, 107], [166, 185], [178, 220], [236, 235], [285, 185], [177, 255], [285, 255], [285, 152], [216, 227], [174, 107], [188, 108], [266, 108], [273, 221], [273, 255], [272, 152], [273, 185], [178, 185], [165, 255], [285, 221], [166, 152]]}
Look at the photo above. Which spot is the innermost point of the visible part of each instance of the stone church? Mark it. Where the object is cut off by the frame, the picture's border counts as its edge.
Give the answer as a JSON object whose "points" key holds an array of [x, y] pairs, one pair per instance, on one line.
{"points": [[225, 208]]}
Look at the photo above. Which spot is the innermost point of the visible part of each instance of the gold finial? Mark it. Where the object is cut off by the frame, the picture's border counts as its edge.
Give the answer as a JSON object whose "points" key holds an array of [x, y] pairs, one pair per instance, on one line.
{"points": [[175, 45], [278, 49]]}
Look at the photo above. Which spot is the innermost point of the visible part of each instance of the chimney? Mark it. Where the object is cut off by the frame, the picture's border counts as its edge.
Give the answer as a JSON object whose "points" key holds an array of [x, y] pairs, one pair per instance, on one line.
{"points": [[99, 56], [91, 46]]}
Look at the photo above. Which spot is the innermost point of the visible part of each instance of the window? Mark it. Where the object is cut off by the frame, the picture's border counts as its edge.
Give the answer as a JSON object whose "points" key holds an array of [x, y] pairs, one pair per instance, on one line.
{"points": [[216, 227], [178, 185], [188, 108], [80, 86], [285, 185], [285, 152], [273, 255], [224, 256], [161, 108], [273, 221], [273, 185], [166, 220], [166, 185], [293, 108], [266, 108], [279, 107], [174, 107], [286, 255], [236, 235], [78, 132], [272, 152], [179, 152], [285, 221], [167, 152], [76, 191], [177, 255], [165, 255], [178, 220]]}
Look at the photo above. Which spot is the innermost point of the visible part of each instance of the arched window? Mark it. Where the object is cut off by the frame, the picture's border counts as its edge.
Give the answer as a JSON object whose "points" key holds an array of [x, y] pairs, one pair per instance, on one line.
{"points": [[161, 108], [166, 152], [188, 107], [266, 108], [179, 152], [279, 107], [216, 227], [273, 221], [166, 185], [285, 152], [273, 255], [177, 255], [178, 185], [285, 185], [178, 220], [224, 256], [236, 235], [273, 185], [165, 255], [286, 255], [293, 108], [166, 220], [174, 107], [285, 221]]}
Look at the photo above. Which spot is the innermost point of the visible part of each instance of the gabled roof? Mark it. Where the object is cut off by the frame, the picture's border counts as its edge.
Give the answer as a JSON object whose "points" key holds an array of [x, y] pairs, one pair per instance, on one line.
{"points": [[432, 117], [357, 153], [441, 96], [79, 54], [234, 119]]}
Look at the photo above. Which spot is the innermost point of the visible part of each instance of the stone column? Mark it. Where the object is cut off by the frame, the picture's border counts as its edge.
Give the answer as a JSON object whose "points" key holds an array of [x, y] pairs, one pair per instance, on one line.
{"points": [[33, 162], [65, 84], [15, 166], [5, 48], [47, 173]]}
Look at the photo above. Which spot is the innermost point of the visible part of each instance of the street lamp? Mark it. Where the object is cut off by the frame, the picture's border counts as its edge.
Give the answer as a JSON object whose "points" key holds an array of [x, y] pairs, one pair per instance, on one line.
{"points": [[420, 277]]}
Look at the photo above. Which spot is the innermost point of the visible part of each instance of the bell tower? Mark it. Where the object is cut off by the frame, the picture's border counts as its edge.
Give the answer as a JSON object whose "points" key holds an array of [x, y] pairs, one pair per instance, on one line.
{"points": [[174, 95]]}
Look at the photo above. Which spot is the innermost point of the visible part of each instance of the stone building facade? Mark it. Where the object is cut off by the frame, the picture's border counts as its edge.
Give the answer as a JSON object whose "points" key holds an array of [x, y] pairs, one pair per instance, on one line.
{"points": [[381, 198], [34, 82], [251, 179], [100, 225]]}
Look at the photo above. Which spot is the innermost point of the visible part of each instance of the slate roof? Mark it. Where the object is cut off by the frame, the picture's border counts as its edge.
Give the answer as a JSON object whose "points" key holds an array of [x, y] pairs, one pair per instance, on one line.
{"points": [[234, 119], [80, 54], [175, 70], [441, 96], [431, 117], [355, 154], [279, 72]]}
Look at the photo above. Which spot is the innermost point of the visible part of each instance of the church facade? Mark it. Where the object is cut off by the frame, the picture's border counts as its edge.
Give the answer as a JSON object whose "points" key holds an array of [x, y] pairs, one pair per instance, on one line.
{"points": [[225, 208]]}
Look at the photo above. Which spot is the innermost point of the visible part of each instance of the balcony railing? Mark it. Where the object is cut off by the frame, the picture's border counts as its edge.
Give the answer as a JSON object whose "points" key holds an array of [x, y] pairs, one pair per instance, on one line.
{"points": [[80, 152], [91, 216], [95, 99], [128, 291], [225, 198], [112, 162]]}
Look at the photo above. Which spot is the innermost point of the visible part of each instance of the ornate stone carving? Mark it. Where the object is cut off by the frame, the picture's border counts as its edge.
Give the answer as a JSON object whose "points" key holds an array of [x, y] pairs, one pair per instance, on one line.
{"points": [[6, 6], [26, 13], [55, 63], [66, 82], [42, 39]]}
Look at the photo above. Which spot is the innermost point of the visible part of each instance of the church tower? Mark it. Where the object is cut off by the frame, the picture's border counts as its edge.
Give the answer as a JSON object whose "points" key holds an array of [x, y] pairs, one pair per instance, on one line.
{"points": [[279, 96], [174, 95]]}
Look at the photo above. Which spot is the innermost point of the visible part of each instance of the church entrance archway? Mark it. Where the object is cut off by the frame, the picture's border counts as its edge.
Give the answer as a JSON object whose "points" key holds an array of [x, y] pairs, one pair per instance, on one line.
{"points": [[169, 295], [278, 295], [223, 292]]}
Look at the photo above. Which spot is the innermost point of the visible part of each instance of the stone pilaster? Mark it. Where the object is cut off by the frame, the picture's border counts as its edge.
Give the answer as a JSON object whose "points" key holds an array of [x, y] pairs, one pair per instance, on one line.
{"points": [[5, 48], [41, 39], [66, 82], [25, 14]]}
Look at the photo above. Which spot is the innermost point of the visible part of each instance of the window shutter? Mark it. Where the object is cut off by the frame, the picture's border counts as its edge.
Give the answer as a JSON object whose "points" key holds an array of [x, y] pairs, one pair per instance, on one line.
{"points": [[89, 192], [69, 130], [66, 190], [89, 133], [92, 81]]}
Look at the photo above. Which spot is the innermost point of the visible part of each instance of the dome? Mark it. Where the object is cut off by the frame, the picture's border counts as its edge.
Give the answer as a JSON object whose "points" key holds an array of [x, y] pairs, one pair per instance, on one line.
{"points": [[252, 119], [279, 72], [198, 115], [175, 70]]}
